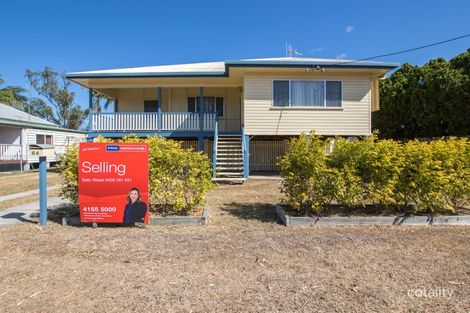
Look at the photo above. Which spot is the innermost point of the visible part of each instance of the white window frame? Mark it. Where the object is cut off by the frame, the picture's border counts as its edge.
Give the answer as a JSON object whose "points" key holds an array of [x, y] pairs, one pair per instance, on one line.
{"points": [[290, 106], [215, 103], [44, 138]]}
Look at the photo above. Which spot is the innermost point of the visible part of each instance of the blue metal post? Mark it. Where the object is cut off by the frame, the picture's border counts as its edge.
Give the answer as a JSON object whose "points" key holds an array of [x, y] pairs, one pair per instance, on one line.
{"points": [[159, 107], [246, 153], [214, 147], [246, 164], [90, 108], [200, 142], [42, 191]]}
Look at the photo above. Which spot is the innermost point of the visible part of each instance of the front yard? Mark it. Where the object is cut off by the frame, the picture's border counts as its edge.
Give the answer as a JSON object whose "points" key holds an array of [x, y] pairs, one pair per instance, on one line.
{"points": [[243, 261], [16, 182]]}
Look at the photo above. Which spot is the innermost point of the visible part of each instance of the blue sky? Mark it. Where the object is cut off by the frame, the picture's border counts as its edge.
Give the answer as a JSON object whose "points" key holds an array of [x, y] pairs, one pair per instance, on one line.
{"points": [[89, 35]]}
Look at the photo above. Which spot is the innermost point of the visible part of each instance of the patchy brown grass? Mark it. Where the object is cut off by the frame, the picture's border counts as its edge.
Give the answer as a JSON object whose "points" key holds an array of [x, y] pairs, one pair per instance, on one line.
{"points": [[243, 261], [24, 181]]}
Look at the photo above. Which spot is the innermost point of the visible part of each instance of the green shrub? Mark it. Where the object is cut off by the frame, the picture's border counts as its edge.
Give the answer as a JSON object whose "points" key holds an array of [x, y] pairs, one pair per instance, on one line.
{"points": [[368, 170], [178, 178], [346, 160], [421, 177], [436, 175], [67, 167], [307, 182], [423, 181], [457, 152]]}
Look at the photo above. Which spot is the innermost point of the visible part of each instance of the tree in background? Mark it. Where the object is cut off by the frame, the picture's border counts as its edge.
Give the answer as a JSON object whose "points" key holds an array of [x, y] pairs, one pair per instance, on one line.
{"points": [[428, 101], [101, 101], [55, 90], [13, 95]]}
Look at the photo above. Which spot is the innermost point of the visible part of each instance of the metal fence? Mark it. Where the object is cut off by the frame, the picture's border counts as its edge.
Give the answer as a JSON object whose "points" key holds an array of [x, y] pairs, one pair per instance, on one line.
{"points": [[264, 153]]}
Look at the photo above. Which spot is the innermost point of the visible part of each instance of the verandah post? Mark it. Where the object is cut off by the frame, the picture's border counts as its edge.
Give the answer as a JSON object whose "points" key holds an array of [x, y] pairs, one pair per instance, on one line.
{"points": [[159, 107], [200, 138], [201, 108], [90, 108]]}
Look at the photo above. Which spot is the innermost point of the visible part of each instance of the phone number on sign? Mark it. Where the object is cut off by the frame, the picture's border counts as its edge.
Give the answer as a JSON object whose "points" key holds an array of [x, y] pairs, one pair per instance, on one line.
{"points": [[98, 209]]}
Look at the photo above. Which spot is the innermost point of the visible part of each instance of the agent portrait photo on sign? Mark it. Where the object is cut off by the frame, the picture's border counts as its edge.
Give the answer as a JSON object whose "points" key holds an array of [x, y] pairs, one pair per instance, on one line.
{"points": [[135, 209]]}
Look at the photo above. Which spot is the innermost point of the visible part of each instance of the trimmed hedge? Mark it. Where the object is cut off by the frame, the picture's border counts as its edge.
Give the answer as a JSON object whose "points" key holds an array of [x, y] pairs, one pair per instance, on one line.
{"points": [[426, 177], [178, 178]]}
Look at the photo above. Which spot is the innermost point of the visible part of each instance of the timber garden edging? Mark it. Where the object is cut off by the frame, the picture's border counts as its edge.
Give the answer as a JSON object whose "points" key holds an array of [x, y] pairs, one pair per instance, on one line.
{"points": [[181, 220], [288, 220], [153, 220]]}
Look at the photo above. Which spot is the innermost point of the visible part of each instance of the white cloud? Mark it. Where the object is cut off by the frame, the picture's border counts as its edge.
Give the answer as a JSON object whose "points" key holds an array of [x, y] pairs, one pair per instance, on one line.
{"points": [[341, 56], [349, 29], [319, 49]]}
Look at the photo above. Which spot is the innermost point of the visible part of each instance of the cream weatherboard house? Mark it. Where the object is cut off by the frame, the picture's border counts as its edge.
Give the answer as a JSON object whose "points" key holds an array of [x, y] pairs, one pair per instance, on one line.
{"points": [[240, 112], [22, 135]]}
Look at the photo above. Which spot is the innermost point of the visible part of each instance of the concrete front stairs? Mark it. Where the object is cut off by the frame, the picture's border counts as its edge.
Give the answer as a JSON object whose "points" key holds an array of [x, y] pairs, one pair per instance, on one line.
{"points": [[229, 158]]}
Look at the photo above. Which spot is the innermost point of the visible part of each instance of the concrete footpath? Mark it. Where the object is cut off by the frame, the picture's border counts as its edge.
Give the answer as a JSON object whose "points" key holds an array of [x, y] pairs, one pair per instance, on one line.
{"points": [[21, 213], [25, 193]]}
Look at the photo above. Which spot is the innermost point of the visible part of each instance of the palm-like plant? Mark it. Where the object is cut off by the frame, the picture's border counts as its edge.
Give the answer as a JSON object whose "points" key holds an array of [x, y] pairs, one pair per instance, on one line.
{"points": [[100, 102]]}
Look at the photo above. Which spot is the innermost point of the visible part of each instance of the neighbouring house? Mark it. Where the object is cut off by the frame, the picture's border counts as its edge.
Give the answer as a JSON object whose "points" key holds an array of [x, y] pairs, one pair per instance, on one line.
{"points": [[23, 135], [240, 112]]}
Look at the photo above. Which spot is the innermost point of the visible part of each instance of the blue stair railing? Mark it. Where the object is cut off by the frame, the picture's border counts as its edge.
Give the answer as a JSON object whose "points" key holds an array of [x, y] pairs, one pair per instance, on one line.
{"points": [[246, 155], [214, 147]]}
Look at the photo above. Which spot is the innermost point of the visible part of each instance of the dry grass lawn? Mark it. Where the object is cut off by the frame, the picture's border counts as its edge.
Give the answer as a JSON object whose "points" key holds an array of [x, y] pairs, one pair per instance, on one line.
{"points": [[24, 181], [23, 200], [243, 261]]}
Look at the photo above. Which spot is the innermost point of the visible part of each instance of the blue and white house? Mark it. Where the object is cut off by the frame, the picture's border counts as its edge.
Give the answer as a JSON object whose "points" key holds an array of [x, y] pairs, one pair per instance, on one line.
{"points": [[240, 112]]}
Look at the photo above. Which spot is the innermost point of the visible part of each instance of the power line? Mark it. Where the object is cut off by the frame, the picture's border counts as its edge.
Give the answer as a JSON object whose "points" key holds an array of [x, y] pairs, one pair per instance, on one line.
{"points": [[409, 50]]}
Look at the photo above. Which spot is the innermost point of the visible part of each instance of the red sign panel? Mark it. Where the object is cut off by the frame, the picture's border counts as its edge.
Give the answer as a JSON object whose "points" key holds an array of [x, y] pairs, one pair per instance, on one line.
{"points": [[113, 182]]}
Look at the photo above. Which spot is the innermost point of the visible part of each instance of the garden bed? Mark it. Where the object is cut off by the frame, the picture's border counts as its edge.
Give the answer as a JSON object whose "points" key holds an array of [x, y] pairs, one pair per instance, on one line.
{"points": [[68, 214], [200, 219], [289, 217]]}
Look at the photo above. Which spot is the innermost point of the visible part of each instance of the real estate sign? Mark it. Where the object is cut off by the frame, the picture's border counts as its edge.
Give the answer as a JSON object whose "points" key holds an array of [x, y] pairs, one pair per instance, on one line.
{"points": [[113, 182]]}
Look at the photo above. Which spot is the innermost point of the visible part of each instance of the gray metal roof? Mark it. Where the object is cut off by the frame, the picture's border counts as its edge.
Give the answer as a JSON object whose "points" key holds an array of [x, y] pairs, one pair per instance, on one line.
{"points": [[14, 117], [222, 68], [10, 113]]}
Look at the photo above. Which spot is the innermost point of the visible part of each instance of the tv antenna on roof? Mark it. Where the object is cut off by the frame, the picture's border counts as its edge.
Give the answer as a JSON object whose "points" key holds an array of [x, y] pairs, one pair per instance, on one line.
{"points": [[291, 51]]}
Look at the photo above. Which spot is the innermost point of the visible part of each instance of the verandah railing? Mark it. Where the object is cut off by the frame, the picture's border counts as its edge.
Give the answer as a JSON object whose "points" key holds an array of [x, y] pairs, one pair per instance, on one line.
{"points": [[11, 152], [165, 121]]}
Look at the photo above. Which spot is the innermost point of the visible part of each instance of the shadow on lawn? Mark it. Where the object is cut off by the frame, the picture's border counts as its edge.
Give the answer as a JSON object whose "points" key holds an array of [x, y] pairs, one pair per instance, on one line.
{"points": [[17, 216], [263, 212]]}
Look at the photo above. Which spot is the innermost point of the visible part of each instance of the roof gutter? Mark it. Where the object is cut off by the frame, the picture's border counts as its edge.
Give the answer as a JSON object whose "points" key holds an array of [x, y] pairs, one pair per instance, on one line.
{"points": [[228, 64], [10, 122]]}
